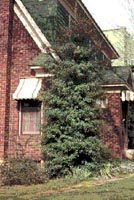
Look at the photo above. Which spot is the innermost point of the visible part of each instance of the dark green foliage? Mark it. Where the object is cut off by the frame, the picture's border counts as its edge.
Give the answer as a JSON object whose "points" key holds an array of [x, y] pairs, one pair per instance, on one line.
{"points": [[71, 135], [49, 15], [21, 171], [42, 59]]}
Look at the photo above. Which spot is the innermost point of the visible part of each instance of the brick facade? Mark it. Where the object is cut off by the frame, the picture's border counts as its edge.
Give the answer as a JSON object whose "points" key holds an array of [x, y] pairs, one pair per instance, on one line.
{"points": [[23, 51], [112, 131], [17, 49], [5, 55]]}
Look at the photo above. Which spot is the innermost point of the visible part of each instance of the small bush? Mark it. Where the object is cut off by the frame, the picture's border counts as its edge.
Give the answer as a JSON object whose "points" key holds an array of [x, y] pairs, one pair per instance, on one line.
{"points": [[21, 172], [81, 173], [96, 169]]}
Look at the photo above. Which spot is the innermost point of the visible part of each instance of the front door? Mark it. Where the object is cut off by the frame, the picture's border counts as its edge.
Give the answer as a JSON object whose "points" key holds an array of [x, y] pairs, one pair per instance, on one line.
{"points": [[131, 126], [124, 125]]}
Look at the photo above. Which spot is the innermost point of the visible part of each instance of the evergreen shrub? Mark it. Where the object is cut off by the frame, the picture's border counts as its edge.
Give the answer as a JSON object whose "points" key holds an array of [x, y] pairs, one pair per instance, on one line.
{"points": [[71, 136], [18, 171]]}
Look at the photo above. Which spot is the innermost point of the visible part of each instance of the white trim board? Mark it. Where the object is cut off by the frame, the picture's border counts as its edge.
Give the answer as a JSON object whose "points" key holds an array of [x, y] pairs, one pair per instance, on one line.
{"points": [[33, 28]]}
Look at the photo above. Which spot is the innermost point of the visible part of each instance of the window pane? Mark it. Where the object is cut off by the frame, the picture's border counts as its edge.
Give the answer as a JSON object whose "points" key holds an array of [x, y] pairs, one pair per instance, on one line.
{"points": [[30, 118]]}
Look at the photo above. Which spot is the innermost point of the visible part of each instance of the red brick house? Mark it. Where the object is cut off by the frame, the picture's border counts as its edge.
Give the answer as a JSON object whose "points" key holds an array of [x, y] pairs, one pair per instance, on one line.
{"points": [[24, 35], [118, 85]]}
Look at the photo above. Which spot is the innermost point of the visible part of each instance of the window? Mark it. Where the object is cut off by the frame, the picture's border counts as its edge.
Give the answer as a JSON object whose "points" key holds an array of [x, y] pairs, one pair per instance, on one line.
{"points": [[97, 55], [90, 42], [63, 16], [103, 102], [30, 117]]}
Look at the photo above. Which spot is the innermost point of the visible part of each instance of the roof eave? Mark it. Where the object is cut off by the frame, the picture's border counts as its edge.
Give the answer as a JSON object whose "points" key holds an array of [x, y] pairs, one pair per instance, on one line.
{"points": [[121, 86], [114, 54], [33, 29]]}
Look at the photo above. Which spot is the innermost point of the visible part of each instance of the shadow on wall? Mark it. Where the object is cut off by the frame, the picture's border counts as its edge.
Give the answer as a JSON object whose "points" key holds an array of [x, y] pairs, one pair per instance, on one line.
{"points": [[112, 133]]}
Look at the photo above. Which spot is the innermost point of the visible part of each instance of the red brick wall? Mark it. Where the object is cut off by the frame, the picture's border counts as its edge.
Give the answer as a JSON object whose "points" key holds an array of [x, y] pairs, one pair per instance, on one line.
{"points": [[15, 65], [5, 54], [112, 134], [17, 49], [24, 50]]}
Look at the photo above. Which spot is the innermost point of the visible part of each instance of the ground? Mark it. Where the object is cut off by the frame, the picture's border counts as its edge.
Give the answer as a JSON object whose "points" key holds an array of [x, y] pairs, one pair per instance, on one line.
{"points": [[120, 188]]}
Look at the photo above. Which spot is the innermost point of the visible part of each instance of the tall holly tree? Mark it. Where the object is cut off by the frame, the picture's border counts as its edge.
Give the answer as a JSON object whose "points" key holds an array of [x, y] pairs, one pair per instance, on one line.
{"points": [[74, 119]]}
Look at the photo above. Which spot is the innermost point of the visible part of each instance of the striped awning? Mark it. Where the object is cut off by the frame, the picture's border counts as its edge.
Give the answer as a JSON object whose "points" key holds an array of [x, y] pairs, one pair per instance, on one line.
{"points": [[127, 96], [28, 88]]}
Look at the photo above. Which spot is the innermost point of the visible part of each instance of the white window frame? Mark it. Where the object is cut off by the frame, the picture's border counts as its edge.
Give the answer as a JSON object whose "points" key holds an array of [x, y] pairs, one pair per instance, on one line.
{"points": [[20, 120]]}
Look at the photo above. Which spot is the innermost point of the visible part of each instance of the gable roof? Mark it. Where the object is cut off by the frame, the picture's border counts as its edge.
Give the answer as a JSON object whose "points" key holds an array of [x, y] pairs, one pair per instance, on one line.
{"points": [[33, 28], [32, 14], [118, 76], [40, 10], [112, 51], [41, 59]]}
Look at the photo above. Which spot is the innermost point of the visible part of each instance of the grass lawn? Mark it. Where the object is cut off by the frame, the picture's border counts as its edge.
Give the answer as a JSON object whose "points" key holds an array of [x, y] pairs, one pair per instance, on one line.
{"points": [[70, 190]]}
